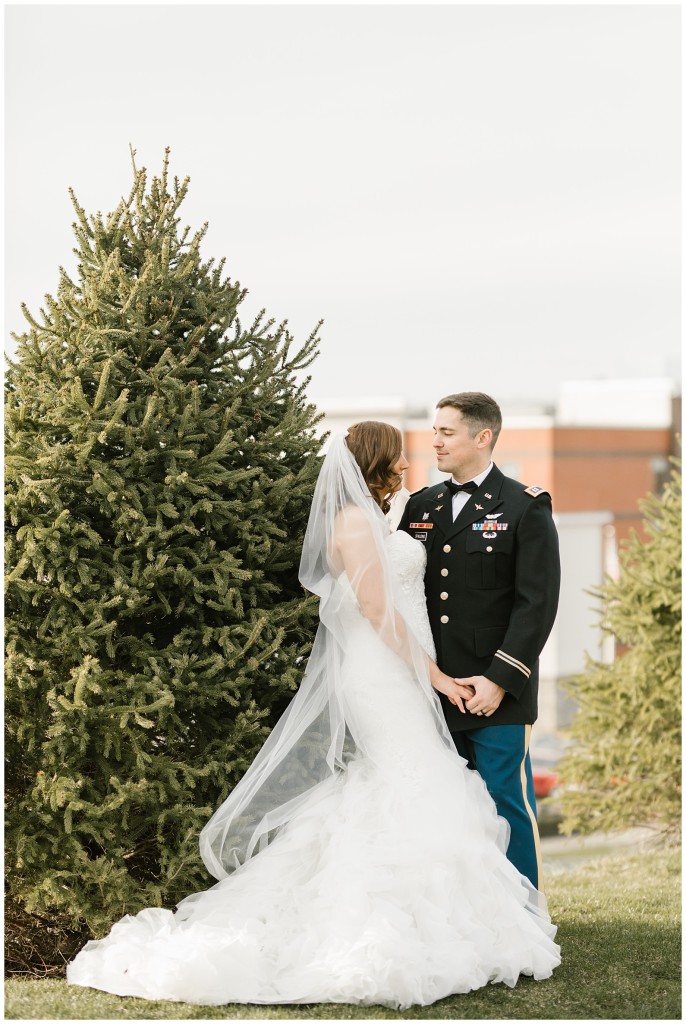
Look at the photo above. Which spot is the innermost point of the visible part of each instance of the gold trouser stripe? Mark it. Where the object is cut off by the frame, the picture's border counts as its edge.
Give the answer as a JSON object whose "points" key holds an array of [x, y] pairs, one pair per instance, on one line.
{"points": [[534, 823]]}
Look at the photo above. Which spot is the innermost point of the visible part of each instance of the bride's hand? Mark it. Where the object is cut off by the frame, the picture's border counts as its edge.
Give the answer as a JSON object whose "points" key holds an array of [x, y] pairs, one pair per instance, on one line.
{"points": [[454, 691]]}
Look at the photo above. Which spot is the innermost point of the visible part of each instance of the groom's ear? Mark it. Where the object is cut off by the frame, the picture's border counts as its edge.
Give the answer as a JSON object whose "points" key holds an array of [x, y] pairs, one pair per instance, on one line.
{"points": [[485, 438]]}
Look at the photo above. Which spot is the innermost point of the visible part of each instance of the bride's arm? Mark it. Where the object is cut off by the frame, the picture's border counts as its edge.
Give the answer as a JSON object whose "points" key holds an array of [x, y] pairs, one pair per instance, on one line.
{"points": [[355, 549]]}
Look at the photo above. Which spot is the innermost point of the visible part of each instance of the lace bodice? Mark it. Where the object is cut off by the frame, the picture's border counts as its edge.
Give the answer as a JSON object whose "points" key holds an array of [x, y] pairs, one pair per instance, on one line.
{"points": [[408, 560]]}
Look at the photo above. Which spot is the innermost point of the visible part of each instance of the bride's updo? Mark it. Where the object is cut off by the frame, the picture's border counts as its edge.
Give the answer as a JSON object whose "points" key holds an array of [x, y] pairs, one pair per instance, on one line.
{"points": [[376, 447]]}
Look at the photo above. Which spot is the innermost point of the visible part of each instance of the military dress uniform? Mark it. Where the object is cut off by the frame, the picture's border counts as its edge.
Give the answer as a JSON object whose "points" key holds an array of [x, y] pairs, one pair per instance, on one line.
{"points": [[492, 585]]}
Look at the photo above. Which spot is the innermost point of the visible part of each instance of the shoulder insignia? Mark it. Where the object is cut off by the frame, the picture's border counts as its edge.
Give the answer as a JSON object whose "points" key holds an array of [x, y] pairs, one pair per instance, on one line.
{"points": [[415, 493], [535, 491]]}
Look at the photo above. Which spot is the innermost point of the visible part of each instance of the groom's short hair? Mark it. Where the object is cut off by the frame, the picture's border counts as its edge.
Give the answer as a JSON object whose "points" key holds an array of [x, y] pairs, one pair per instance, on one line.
{"points": [[478, 411]]}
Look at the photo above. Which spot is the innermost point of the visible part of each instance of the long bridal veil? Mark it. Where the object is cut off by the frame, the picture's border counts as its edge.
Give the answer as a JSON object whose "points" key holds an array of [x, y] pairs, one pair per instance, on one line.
{"points": [[312, 740]]}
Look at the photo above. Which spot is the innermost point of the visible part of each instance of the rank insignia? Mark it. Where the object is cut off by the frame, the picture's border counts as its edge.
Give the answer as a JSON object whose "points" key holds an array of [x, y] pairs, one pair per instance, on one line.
{"points": [[488, 526], [535, 491], [421, 526]]}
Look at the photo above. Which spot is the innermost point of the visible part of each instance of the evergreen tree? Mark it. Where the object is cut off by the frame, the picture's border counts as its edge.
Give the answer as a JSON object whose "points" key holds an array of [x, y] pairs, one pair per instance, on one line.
{"points": [[623, 763], [161, 460]]}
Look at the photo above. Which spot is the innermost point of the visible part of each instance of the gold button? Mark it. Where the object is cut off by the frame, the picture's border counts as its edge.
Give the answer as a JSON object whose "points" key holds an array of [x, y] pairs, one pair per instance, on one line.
{"points": [[444, 596], [444, 618], [444, 572], [489, 548], [446, 548]]}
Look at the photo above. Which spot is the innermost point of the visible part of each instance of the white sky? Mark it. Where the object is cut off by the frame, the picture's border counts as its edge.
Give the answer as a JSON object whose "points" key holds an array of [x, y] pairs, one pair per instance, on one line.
{"points": [[472, 197]]}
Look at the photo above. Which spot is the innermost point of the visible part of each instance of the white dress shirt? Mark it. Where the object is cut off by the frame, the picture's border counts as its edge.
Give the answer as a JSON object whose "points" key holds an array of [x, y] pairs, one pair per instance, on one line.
{"points": [[462, 497]]}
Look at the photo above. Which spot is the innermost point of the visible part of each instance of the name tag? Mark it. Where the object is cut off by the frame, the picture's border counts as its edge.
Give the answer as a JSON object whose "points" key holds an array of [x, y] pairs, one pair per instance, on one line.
{"points": [[420, 536], [489, 526], [421, 526]]}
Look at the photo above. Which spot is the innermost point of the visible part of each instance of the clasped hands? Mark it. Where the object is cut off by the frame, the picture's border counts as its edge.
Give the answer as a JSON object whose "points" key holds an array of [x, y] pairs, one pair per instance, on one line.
{"points": [[477, 693]]}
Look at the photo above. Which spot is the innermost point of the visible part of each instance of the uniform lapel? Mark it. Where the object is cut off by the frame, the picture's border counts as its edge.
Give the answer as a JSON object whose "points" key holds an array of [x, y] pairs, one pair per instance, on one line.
{"points": [[479, 505], [440, 508]]}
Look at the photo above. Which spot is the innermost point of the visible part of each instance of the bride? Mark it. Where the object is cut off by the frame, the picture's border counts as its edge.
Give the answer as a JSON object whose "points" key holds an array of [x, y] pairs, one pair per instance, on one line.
{"points": [[359, 860]]}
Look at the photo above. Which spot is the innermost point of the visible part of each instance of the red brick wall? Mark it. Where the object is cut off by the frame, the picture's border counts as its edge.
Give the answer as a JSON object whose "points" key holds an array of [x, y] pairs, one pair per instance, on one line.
{"points": [[585, 469], [420, 454], [606, 468]]}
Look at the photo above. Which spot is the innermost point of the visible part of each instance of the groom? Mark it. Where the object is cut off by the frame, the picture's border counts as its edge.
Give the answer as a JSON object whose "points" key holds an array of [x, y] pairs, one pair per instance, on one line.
{"points": [[492, 585]]}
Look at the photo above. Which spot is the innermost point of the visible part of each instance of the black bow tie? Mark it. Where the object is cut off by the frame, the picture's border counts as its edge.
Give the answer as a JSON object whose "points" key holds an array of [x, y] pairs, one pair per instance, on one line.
{"points": [[454, 488]]}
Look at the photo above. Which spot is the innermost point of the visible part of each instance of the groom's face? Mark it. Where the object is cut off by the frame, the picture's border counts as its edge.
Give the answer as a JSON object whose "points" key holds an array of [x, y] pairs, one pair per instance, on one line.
{"points": [[457, 452]]}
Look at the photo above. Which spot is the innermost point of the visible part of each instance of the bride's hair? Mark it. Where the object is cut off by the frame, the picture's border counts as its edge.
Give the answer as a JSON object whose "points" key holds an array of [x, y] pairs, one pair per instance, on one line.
{"points": [[376, 447]]}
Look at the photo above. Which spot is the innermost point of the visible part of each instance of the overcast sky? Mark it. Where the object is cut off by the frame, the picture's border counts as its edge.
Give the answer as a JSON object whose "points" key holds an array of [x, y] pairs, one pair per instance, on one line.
{"points": [[472, 197]]}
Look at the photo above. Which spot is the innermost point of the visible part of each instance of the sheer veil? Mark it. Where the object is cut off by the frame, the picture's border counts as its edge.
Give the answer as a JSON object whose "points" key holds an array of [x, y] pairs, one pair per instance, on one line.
{"points": [[345, 562]]}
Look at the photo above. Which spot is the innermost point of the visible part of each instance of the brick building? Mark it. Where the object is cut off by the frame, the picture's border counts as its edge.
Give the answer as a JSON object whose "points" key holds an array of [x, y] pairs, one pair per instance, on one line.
{"points": [[584, 468]]}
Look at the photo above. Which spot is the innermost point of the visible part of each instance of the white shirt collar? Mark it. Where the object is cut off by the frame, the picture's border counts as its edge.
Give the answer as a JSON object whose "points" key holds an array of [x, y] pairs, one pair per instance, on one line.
{"points": [[478, 480]]}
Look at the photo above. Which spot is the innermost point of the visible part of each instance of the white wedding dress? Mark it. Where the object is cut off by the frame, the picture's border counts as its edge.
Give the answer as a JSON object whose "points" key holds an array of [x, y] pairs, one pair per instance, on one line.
{"points": [[389, 886]]}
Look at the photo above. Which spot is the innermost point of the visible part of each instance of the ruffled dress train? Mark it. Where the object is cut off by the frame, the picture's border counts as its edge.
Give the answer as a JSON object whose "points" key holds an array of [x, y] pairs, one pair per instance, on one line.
{"points": [[390, 886]]}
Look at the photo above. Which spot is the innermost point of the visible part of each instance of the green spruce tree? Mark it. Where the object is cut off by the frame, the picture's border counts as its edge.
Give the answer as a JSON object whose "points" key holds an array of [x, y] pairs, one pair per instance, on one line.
{"points": [[161, 460], [623, 763]]}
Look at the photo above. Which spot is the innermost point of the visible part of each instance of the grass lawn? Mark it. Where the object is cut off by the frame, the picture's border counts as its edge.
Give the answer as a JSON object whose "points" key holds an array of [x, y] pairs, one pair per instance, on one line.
{"points": [[619, 929]]}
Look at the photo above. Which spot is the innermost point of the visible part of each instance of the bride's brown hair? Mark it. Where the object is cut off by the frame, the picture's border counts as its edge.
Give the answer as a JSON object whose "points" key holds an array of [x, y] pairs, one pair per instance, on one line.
{"points": [[376, 447]]}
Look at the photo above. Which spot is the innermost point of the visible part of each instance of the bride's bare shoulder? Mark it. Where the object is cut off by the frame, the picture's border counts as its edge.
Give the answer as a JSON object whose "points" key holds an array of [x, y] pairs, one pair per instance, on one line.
{"points": [[351, 533], [351, 525], [351, 515]]}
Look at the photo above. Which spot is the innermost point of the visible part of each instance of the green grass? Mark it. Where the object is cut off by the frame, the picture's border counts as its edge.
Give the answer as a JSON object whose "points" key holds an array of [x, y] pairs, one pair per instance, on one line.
{"points": [[619, 929]]}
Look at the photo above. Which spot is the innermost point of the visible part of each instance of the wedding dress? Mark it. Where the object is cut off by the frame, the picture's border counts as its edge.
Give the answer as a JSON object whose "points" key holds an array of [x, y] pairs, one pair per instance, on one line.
{"points": [[388, 883]]}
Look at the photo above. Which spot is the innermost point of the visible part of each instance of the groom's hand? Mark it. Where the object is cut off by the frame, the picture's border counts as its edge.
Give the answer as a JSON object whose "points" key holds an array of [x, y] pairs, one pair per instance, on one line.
{"points": [[487, 695], [453, 689]]}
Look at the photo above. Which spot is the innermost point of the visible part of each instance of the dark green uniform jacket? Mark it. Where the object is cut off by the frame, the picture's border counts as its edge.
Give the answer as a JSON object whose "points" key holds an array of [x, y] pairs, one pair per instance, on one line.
{"points": [[492, 586]]}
